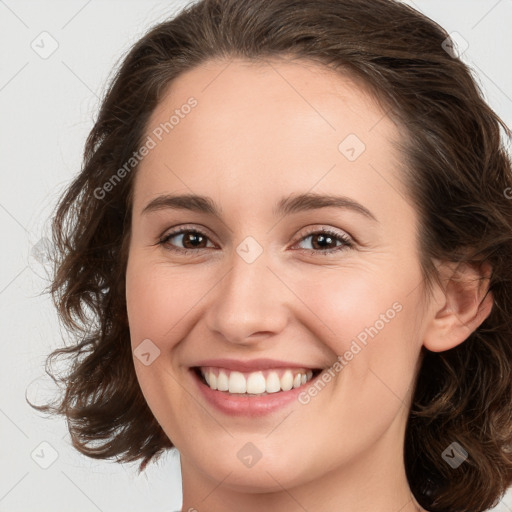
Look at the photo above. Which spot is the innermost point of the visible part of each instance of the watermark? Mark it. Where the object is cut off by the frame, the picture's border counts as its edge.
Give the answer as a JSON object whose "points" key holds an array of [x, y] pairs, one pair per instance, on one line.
{"points": [[249, 455], [42, 250], [146, 352], [351, 147], [249, 249], [45, 45], [508, 193], [44, 455], [342, 360], [454, 455], [455, 45], [149, 144]]}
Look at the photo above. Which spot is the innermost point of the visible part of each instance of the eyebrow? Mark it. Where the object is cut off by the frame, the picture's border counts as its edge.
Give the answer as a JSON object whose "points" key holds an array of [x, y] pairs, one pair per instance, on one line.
{"points": [[286, 206]]}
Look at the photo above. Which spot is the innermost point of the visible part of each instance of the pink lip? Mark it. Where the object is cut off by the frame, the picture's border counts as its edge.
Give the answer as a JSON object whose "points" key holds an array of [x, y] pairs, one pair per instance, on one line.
{"points": [[252, 365], [250, 406]]}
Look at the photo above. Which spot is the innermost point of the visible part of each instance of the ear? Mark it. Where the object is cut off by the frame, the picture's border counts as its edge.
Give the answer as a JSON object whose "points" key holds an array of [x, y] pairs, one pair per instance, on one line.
{"points": [[459, 306]]}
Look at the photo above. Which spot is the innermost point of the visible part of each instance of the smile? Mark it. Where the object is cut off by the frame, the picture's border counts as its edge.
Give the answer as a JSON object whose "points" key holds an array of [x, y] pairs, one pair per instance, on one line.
{"points": [[251, 388], [260, 383]]}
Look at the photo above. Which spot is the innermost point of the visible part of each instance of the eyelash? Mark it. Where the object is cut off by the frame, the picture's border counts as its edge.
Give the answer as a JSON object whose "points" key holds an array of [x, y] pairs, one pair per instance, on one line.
{"points": [[346, 241]]}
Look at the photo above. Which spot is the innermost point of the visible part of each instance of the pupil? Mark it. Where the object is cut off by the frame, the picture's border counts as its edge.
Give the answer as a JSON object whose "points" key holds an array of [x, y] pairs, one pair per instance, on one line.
{"points": [[323, 238], [195, 238]]}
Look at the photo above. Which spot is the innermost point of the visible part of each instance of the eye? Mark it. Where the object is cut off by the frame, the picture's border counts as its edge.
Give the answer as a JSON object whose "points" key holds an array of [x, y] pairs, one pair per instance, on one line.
{"points": [[325, 241], [192, 239]]}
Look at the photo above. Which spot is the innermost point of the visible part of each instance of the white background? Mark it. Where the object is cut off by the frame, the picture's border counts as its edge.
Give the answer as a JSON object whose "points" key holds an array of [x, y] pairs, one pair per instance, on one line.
{"points": [[47, 109]]}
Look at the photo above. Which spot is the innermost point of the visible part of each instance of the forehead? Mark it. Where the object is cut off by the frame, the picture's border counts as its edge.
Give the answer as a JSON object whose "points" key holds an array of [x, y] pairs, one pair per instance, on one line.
{"points": [[276, 94], [287, 124]]}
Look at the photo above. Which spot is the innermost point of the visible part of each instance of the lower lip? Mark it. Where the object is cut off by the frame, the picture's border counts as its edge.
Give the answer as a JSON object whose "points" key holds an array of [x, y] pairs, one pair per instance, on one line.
{"points": [[248, 405]]}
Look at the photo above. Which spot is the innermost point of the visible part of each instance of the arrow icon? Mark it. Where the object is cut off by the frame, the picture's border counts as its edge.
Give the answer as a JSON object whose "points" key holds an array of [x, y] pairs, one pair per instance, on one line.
{"points": [[451, 455], [249, 253], [44, 455], [249, 455], [146, 352], [454, 455], [351, 147]]}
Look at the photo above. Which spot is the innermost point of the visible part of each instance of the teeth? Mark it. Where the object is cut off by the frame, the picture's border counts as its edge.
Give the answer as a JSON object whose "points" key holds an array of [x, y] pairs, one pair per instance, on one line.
{"points": [[273, 384], [237, 383], [287, 381], [222, 382], [255, 383], [213, 380]]}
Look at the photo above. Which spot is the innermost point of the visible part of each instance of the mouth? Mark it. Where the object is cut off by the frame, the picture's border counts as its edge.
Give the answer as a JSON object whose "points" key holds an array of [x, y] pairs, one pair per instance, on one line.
{"points": [[254, 383]]}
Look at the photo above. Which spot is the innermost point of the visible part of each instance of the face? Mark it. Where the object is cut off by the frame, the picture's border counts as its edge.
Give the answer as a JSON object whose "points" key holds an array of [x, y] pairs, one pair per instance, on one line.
{"points": [[300, 269]]}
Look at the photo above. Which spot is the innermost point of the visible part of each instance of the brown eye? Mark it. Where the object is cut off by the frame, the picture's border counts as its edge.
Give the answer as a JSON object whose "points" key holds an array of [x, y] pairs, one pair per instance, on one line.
{"points": [[188, 239], [326, 242]]}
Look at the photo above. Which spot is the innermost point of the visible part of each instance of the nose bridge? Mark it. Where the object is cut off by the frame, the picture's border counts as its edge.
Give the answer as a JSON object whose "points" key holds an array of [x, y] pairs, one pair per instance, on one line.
{"points": [[247, 300]]}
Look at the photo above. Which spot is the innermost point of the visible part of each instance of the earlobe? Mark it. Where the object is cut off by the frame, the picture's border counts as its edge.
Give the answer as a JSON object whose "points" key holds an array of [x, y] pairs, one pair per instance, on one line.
{"points": [[460, 308]]}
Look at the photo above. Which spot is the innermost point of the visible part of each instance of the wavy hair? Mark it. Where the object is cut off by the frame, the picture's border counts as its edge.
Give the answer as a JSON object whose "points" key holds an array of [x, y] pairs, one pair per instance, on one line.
{"points": [[458, 174]]}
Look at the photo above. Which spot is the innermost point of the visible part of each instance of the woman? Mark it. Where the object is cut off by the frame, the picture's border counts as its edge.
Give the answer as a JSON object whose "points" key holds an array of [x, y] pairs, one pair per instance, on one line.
{"points": [[287, 255]]}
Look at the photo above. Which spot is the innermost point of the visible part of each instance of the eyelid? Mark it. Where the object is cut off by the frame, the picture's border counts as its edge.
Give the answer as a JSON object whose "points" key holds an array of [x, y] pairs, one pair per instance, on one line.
{"points": [[323, 228], [180, 228]]}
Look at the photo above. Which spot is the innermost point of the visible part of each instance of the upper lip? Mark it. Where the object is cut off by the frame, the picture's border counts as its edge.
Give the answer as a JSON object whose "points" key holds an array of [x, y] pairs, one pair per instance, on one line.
{"points": [[251, 365]]}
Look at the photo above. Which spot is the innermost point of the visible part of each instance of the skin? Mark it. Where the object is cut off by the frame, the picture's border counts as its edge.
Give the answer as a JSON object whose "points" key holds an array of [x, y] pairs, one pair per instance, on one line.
{"points": [[261, 132]]}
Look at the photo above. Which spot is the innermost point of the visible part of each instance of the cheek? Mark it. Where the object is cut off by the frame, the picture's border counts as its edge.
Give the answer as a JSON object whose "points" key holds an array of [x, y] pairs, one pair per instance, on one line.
{"points": [[351, 304], [366, 317], [159, 298]]}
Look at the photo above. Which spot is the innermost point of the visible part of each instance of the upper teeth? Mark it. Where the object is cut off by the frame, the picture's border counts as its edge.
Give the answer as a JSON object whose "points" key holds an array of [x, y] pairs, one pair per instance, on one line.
{"points": [[267, 381]]}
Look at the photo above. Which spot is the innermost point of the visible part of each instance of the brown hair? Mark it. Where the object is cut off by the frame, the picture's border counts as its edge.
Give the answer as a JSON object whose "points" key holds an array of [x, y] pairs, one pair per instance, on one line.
{"points": [[458, 172]]}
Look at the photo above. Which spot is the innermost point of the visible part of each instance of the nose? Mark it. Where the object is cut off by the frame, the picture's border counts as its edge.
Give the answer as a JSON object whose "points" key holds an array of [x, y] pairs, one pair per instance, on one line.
{"points": [[249, 304]]}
